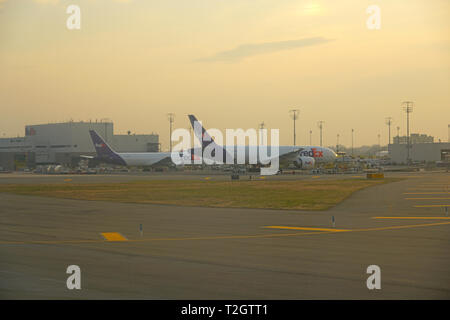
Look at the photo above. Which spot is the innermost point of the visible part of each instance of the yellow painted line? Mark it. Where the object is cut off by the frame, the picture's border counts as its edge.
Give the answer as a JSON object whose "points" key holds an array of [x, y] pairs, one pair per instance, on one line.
{"points": [[315, 177], [383, 228], [401, 227], [66, 180], [432, 206], [427, 189], [257, 236], [307, 229], [426, 193], [427, 198], [272, 235], [357, 176], [430, 186], [414, 218], [113, 236]]}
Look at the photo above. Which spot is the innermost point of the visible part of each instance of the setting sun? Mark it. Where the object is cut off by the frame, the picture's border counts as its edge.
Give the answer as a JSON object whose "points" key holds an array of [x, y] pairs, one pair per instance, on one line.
{"points": [[312, 8]]}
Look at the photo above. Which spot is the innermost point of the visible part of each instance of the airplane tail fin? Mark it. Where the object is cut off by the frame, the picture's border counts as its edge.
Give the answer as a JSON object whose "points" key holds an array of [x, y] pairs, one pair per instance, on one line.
{"points": [[104, 151], [204, 137]]}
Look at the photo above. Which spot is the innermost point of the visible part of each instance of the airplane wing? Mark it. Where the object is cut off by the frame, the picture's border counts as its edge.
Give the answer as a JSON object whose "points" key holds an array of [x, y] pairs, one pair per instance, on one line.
{"points": [[164, 161], [289, 157]]}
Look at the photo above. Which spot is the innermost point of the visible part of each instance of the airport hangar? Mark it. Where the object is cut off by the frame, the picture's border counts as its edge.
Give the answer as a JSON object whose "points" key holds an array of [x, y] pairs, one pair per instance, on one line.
{"points": [[63, 143], [420, 152]]}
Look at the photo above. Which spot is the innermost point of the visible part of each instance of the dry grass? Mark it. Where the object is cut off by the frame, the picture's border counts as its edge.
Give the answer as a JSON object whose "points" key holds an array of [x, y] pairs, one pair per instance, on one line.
{"points": [[290, 195]]}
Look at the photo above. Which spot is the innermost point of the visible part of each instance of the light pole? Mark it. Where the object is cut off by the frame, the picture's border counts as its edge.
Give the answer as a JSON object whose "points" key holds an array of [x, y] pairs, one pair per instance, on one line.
{"points": [[353, 130], [294, 115], [379, 144], [398, 134], [320, 125], [310, 137], [171, 117], [389, 122], [337, 143], [408, 108], [261, 126]]}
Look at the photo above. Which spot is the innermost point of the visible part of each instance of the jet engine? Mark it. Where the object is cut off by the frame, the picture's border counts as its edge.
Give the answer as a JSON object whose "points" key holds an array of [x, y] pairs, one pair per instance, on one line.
{"points": [[305, 162]]}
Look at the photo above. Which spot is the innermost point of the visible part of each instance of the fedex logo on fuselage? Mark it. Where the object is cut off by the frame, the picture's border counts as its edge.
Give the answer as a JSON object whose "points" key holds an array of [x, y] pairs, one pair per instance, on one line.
{"points": [[313, 153]]}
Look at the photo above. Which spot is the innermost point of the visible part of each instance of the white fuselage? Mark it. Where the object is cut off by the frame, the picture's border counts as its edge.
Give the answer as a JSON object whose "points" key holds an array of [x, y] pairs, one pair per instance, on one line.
{"points": [[320, 154], [143, 158]]}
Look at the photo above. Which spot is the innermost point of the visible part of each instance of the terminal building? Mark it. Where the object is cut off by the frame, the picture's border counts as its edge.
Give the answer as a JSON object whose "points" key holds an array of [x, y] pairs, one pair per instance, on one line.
{"points": [[422, 149], [63, 143], [415, 138]]}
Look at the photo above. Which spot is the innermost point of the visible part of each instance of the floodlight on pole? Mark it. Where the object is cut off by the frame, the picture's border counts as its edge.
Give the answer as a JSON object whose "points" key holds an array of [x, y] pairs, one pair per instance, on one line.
{"points": [[294, 115], [171, 117], [353, 130], [408, 108], [261, 127], [389, 122], [337, 143], [320, 125]]}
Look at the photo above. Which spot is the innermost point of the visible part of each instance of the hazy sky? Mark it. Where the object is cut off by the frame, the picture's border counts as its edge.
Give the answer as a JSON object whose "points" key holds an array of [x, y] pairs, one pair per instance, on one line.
{"points": [[233, 63]]}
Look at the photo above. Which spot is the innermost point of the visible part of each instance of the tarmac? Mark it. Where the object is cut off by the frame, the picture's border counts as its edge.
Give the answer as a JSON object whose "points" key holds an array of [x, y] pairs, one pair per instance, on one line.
{"points": [[140, 251]]}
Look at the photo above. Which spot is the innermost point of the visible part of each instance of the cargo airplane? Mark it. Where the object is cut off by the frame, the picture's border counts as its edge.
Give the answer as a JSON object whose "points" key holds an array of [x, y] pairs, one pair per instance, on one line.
{"points": [[303, 157], [106, 154]]}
